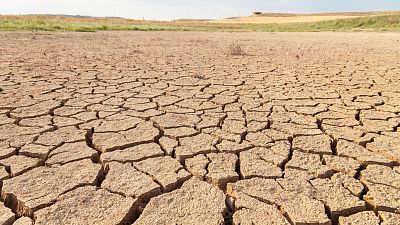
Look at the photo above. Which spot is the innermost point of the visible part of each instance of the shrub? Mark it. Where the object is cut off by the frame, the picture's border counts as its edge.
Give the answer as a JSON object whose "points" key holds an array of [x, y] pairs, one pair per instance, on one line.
{"points": [[236, 49]]}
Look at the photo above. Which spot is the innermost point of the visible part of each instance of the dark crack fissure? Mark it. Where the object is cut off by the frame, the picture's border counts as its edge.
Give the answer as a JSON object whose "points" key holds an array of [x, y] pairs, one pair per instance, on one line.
{"points": [[159, 136], [96, 159], [237, 167], [89, 137], [334, 147], [330, 216], [357, 116], [291, 150], [51, 111], [206, 168], [229, 211], [365, 188], [51, 150], [319, 124]]}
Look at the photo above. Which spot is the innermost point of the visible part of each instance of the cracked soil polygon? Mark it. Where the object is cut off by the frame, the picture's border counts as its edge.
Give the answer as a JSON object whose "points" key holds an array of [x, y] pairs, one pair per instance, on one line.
{"points": [[197, 202], [87, 205]]}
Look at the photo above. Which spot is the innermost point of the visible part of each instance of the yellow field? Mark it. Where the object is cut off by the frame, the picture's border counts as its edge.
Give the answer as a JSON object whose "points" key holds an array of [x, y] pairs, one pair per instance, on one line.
{"points": [[297, 18]]}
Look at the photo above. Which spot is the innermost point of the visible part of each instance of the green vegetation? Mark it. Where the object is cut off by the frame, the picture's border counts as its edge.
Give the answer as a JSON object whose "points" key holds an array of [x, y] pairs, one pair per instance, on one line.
{"points": [[58, 23], [371, 23], [42, 23]]}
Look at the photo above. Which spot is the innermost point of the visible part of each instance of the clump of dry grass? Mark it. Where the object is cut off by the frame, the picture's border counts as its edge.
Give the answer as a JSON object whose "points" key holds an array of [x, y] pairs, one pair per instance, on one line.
{"points": [[236, 49]]}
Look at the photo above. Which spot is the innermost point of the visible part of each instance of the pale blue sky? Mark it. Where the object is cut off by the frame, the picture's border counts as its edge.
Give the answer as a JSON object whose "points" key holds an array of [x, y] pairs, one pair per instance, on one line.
{"points": [[174, 9]]}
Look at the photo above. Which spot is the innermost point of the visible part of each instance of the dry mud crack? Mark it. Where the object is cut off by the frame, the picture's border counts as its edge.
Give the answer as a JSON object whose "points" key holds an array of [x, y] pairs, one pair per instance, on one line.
{"points": [[166, 128]]}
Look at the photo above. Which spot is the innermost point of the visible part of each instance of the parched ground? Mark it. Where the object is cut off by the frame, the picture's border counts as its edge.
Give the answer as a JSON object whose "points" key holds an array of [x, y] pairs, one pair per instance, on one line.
{"points": [[169, 128]]}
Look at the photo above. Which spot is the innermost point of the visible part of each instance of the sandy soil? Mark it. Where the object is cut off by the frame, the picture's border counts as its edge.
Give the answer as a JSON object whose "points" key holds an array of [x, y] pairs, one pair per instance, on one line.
{"points": [[171, 128]]}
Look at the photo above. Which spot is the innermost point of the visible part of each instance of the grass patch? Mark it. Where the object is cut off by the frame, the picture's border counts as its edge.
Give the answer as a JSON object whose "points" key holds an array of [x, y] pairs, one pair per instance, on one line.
{"points": [[58, 23]]}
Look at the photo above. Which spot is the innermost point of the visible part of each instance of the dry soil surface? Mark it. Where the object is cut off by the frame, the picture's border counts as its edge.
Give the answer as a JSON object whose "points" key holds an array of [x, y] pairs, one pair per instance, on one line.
{"points": [[170, 128]]}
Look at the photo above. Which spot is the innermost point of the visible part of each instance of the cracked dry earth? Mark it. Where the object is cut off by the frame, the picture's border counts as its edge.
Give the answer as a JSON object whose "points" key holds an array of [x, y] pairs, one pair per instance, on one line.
{"points": [[167, 128]]}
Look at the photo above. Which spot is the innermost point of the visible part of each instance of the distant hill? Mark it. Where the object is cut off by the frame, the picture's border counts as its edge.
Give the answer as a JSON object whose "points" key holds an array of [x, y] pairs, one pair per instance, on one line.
{"points": [[369, 13], [267, 17]]}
